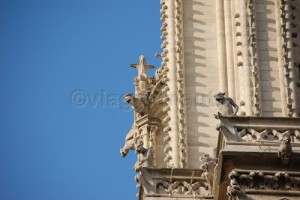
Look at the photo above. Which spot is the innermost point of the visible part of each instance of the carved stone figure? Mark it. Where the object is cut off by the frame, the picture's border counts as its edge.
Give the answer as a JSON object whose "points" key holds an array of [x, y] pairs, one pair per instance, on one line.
{"points": [[227, 107], [144, 156], [208, 176], [180, 187], [259, 180], [208, 167], [140, 105], [129, 142], [285, 150], [159, 73], [234, 191]]}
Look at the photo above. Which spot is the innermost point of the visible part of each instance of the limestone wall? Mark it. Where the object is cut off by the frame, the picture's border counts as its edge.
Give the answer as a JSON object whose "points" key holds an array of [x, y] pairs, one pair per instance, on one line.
{"points": [[201, 75], [246, 49], [267, 55]]}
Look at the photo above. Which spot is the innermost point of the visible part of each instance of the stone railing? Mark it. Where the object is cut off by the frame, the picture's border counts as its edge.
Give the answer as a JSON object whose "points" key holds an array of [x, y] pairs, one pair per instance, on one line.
{"points": [[255, 129], [175, 183]]}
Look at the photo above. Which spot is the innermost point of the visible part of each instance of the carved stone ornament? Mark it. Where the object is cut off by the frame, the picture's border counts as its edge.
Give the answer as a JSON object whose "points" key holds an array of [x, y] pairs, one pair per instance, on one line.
{"points": [[226, 106], [149, 103], [144, 156], [142, 68], [285, 182], [251, 134], [285, 150], [139, 104], [168, 182], [252, 129], [209, 167], [234, 190]]}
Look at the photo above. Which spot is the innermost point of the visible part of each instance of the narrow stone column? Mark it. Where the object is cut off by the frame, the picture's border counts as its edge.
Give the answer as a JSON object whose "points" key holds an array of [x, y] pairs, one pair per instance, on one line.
{"points": [[152, 142], [280, 51], [290, 76], [246, 63], [147, 128], [182, 129], [229, 51], [221, 46], [172, 93]]}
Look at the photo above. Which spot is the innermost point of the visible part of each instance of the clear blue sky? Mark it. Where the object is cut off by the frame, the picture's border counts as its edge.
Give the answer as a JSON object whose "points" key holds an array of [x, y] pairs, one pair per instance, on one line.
{"points": [[54, 143]]}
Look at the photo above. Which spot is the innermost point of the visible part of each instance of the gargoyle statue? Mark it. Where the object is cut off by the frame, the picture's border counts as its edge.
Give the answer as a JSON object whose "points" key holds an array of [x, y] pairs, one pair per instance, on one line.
{"points": [[227, 107], [208, 167], [144, 156], [140, 105], [285, 150], [129, 142]]}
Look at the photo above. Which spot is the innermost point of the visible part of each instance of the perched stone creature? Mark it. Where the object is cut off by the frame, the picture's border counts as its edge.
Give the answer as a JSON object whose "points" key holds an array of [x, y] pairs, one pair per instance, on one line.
{"points": [[285, 150], [208, 167], [140, 105], [144, 156], [227, 107], [129, 142]]}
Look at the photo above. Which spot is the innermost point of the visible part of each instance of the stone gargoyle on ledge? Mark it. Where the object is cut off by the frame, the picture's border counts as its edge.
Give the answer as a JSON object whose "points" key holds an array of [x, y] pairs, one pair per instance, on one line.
{"points": [[226, 105]]}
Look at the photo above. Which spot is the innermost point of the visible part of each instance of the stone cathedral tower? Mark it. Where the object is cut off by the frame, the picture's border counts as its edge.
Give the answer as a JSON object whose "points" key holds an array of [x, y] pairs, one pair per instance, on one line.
{"points": [[220, 118]]}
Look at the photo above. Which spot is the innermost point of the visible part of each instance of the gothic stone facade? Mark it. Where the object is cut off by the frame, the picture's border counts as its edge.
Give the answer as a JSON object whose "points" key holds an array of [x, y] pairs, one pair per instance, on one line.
{"points": [[220, 118]]}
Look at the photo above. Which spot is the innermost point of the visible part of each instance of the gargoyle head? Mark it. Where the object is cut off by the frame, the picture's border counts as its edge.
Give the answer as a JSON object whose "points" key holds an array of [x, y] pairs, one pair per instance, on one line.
{"points": [[286, 139], [123, 152], [219, 96], [128, 97]]}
